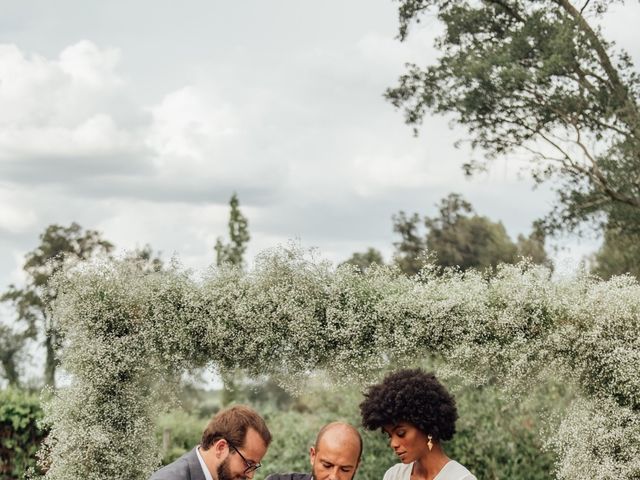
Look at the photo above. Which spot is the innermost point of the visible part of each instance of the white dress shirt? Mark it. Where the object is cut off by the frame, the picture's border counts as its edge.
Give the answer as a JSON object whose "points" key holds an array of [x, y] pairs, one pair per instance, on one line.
{"points": [[207, 475]]}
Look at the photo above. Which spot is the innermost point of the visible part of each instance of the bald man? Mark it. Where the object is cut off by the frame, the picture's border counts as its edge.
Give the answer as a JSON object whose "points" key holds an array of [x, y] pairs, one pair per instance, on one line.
{"points": [[335, 455]]}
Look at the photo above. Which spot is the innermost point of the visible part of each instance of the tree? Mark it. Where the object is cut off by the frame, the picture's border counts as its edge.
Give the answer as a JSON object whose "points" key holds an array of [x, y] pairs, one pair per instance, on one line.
{"points": [[532, 247], [537, 77], [365, 259], [11, 347], [146, 259], [467, 241], [58, 246], [460, 238], [409, 249], [619, 254], [234, 251]]}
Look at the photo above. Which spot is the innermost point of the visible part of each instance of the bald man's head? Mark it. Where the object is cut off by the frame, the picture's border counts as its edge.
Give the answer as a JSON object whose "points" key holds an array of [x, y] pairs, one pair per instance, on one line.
{"points": [[336, 453], [344, 433]]}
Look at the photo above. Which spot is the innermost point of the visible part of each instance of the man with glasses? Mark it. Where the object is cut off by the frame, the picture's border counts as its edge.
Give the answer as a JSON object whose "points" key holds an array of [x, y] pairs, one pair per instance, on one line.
{"points": [[335, 455], [232, 445]]}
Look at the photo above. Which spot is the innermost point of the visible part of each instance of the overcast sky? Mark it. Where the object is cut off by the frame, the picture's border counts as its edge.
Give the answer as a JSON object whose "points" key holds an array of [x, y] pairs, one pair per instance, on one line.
{"points": [[140, 118]]}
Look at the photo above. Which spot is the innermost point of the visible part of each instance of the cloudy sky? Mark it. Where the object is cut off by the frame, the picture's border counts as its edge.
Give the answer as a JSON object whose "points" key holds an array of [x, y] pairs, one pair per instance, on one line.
{"points": [[140, 119]]}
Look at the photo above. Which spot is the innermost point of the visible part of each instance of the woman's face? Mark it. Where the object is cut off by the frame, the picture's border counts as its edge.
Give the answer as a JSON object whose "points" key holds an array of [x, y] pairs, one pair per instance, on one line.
{"points": [[407, 441]]}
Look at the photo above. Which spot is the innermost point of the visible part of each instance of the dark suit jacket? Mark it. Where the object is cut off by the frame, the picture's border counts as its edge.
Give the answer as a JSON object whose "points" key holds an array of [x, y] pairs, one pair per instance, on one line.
{"points": [[289, 476], [187, 467]]}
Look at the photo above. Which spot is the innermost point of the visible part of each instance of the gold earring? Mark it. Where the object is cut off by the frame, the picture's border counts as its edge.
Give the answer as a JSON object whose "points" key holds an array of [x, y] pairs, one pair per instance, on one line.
{"points": [[430, 443]]}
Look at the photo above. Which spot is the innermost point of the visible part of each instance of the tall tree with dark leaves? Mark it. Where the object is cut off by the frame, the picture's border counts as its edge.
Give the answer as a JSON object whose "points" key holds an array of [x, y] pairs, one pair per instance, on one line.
{"points": [[233, 252], [537, 78], [58, 246], [618, 255], [461, 238], [364, 260], [12, 344], [145, 259], [409, 250], [458, 237]]}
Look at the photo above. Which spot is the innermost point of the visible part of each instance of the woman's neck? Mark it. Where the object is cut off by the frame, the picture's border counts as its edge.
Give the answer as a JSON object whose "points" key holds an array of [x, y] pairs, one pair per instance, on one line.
{"points": [[429, 465]]}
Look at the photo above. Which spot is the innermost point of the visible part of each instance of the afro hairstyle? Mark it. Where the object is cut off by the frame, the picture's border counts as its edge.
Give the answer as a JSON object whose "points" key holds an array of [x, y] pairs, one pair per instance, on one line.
{"points": [[411, 396]]}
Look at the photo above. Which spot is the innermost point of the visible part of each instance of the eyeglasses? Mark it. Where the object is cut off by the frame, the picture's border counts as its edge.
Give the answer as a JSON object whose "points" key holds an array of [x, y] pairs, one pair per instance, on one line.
{"points": [[251, 467]]}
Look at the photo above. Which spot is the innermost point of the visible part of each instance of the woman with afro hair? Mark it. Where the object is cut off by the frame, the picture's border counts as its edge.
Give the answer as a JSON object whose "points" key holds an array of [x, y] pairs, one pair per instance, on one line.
{"points": [[417, 413]]}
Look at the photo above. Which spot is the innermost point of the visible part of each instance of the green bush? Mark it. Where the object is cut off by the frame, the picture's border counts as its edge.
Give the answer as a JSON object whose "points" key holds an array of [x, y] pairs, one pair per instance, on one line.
{"points": [[499, 438], [20, 432], [184, 431]]}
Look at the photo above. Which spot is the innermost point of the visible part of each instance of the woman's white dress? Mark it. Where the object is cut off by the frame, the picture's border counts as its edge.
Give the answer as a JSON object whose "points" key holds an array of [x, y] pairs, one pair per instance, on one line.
{"points": [[451, 471]]}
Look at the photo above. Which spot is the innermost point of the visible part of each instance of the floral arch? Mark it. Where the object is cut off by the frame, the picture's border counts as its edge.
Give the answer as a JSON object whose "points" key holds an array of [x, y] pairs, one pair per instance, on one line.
{"points": [[127, 331]]}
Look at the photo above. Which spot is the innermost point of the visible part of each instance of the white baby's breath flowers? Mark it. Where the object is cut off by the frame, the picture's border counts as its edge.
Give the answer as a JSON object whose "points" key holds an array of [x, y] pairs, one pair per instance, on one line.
{"points": [[130, 334]]}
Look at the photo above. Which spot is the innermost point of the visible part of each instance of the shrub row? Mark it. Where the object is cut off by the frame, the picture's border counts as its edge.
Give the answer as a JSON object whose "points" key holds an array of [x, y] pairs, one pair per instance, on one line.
{"points": [[20, 432]]}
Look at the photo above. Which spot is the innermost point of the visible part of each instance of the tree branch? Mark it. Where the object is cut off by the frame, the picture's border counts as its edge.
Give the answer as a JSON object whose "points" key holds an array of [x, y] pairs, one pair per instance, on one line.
{"points": [[619, 89], [507, 8], [584, 6], [599, 178]]}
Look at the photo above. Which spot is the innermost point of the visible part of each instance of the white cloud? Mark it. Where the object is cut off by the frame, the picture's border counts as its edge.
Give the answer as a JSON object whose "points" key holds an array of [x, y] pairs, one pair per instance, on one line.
{"points": [[96, 136], [25, 85], [375, 174], [187, 124], [38, 92], [16, 211], [618, 27], [391, 54], [57, 118], [198, 139], [18, 276], [69, 123], [89, 66], [16, 219]]}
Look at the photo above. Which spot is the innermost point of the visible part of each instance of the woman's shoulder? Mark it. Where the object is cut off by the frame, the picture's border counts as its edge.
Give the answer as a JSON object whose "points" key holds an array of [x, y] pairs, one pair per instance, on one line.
{"points": [[455, 471], [400, 471]]}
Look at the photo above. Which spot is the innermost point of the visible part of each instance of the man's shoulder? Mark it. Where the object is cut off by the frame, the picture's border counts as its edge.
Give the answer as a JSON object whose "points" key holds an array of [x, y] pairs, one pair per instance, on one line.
{"points": [[177, 470], [289, 476]]}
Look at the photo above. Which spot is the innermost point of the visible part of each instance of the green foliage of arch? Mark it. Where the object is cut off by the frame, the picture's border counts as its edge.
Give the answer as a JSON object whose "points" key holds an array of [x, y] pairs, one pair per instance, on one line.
{"points": [[129, 331]]}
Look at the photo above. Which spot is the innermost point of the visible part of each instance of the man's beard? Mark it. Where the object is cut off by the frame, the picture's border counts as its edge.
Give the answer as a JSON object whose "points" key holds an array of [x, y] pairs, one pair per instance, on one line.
{"points": [[223, 472]]}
